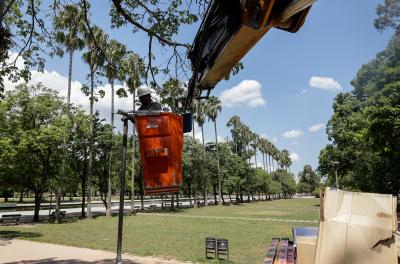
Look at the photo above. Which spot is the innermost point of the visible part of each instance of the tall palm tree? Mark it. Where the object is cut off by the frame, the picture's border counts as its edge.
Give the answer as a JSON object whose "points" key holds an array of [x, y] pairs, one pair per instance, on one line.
{"points": [[94, 58], [235, 123], [262, 150], [214, 107], [200, 118], [115, 52], [68, 27], [255, 144], [133, 68], [286, 161]]}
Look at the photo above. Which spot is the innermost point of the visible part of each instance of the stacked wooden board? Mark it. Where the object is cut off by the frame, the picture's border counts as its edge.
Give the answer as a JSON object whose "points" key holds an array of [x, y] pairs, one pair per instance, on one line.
{"points": [[280, 251]]}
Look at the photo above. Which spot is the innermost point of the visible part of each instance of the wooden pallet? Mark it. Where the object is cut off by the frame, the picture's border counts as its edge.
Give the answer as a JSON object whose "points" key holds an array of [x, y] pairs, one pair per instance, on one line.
{"points": [[280, 251]]}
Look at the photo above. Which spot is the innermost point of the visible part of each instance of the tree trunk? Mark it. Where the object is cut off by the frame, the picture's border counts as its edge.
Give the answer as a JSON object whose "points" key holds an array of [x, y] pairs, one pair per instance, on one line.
{"points": [[255, 157], [215, 194], [21, 196], [205, 179], [38, 201], [108, 213], [195, 197], [172, 202], [71, 55], [218, 169], [90, 169], [141, 194], [263, 159], [59, 192], [190, 194], [83, 186]]}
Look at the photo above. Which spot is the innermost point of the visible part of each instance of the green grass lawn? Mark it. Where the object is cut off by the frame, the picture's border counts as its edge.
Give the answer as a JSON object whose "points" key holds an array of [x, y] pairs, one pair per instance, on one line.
{"points": [[181, 234]]}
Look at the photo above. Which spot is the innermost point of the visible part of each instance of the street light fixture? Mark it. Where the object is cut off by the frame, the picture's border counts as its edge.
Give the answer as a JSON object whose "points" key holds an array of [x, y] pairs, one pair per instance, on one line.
{"points": [[336, 165]]}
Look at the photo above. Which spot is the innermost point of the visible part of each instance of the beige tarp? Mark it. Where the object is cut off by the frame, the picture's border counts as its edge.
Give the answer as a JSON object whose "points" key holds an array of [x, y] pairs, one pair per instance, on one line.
{"points": [[305, 247], [356, 228]]}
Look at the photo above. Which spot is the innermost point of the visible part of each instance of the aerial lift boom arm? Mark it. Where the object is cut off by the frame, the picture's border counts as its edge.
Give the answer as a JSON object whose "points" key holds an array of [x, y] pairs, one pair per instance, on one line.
{"points": [[229, 30]]}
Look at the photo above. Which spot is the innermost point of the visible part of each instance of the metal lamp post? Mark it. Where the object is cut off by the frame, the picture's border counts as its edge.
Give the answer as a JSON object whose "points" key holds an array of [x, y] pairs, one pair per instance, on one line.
{"points": [[126, 116], [336, 163]]}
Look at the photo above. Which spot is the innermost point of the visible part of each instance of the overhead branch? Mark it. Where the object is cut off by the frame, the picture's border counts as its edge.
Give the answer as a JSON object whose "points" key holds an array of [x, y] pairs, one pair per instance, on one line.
{"points": [[122, 12], [8, 8], [29, 41]]}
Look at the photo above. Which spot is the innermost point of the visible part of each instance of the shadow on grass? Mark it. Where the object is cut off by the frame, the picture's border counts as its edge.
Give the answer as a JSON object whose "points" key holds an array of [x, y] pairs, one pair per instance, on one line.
{"points": [[10, 234], [316, 205], [71, 261]]}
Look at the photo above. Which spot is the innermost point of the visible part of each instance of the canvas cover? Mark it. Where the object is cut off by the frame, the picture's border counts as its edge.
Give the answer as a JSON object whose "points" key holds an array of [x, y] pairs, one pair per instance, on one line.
{"points": [[356, 228]]}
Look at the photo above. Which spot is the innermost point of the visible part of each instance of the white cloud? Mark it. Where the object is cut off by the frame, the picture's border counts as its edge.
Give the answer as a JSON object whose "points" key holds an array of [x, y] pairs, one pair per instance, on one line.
{"points": [[248, 92], [325, 83], [58, 82], [221, 139], [292, 133], [295, 143], [302, 92], [316, 127], [294, 156], [274, 139]]}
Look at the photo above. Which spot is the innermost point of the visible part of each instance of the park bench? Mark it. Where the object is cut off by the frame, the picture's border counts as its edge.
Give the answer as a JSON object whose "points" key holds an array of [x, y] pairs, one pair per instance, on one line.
{"points": [[11, 218], [62, 214]]}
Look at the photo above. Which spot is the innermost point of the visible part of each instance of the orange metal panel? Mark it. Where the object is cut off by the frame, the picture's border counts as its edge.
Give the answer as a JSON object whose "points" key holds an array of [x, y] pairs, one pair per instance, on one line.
{"points": [[161, 144]]}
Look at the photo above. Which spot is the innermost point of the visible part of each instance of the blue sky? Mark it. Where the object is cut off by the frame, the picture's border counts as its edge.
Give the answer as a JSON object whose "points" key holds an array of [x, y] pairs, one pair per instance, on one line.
{"points": [[336, 39]]}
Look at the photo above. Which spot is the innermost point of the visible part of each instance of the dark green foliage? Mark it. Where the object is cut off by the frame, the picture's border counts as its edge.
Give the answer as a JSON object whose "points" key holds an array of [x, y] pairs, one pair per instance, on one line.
{"points": [[365, 127]]}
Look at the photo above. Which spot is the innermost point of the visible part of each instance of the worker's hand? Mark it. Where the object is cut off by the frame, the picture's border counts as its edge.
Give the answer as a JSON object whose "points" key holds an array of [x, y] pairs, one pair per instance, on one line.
{"points": [[129, 117]]}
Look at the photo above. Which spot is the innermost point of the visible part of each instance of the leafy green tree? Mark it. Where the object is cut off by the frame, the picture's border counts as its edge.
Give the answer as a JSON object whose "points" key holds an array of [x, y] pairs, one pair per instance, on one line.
{"points": [[364, 127], [288, 184], [171, 93], [388, 16], [78, 144], [35, 115], [274, 188], [308, 180]]}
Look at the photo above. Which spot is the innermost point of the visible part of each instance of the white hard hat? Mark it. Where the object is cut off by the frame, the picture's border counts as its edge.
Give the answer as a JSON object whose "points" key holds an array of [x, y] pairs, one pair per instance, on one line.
{"points": [[143, 90]]}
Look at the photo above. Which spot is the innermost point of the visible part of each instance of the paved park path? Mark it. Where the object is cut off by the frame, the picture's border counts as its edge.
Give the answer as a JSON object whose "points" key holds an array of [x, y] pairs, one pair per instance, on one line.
{"points": [[29, 252]]}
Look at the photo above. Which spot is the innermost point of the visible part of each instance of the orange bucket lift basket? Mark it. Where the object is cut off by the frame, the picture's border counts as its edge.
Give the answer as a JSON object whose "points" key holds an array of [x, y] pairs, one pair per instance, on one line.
{"points": [[161, 145]]}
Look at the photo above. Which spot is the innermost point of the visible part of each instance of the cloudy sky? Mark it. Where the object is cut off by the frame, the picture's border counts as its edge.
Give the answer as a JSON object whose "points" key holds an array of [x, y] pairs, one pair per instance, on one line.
{"points": [[286, 90]]}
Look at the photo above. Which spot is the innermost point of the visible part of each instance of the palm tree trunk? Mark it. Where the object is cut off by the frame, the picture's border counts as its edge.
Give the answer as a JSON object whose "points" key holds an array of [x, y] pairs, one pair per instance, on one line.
{"points": [[90, 169], [270, 164], [64, 147], [71, 55], [133, 157], [205, 180], [255, 158], [108, 213], [219, 174], [263, 159]]}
